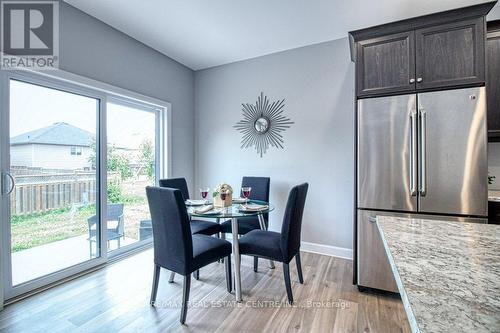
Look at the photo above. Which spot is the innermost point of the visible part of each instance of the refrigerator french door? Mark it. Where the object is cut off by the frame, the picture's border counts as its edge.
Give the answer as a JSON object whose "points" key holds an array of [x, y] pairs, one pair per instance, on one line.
{"points": [[453, 152], [386, 155], [417, 154]]}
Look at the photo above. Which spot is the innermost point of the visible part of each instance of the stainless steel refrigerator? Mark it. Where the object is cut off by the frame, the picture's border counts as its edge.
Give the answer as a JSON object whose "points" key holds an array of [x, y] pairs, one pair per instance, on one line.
{"points": [[418, 155]]}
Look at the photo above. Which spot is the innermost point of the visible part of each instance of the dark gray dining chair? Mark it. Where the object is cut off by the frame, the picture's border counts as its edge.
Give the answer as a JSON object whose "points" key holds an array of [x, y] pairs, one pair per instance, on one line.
{"points": [[284, 246], [260, 191], [197, 226], [175, 248], [115, 225]]}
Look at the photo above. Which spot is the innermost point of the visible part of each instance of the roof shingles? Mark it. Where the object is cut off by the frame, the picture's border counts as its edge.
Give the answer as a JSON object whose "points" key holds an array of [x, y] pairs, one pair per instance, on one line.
{"points": [[55, 134]]}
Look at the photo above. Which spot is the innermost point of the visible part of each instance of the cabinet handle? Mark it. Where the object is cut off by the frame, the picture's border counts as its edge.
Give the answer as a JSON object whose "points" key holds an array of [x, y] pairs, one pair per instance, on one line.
{"points": [[412, 80], [419, 79]]}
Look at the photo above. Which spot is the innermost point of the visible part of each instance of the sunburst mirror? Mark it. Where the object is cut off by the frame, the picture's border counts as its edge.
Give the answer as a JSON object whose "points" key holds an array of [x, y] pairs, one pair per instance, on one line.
{"points": [[262, 124]]}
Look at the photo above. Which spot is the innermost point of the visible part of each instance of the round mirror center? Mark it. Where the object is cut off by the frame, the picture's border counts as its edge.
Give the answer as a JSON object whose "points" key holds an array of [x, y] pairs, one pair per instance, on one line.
{"points": [[261, 125]]}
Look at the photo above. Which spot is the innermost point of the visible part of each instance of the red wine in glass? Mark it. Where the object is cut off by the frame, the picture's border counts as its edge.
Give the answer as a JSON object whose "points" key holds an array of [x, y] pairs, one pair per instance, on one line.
{"points": [[246, 192], [204, 192]]}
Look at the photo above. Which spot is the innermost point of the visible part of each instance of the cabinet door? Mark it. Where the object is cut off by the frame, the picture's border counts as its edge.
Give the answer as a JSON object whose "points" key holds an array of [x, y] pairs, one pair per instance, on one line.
{"points": [[386, 64], [451, 54], [493, 85]]}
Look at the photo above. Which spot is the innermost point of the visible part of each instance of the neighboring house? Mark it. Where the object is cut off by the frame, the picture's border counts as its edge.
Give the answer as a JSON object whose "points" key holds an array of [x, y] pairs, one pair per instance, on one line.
{"points": [[58, 146]]}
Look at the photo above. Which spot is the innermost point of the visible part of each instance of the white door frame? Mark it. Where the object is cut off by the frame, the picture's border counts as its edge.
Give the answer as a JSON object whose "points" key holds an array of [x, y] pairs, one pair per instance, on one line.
{"points": [[73, 83]]}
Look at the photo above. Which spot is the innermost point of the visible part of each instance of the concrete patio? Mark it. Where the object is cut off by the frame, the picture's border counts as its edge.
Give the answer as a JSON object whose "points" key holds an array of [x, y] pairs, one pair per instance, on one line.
{"points": [[49, 258]]}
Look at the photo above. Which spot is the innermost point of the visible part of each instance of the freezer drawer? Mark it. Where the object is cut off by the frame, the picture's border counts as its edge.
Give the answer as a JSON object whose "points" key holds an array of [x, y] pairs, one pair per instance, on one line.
{"points": [[374, 270]]}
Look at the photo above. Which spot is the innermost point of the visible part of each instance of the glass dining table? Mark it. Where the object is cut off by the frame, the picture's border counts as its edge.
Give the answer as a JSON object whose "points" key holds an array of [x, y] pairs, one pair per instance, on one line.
{"points": [[235, 213]]}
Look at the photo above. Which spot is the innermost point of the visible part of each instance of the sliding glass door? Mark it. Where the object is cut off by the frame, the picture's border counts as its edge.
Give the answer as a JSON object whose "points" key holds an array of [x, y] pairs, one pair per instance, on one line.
{"points": [[53, 206], [132, 164], [74, 166], [50, 182]]}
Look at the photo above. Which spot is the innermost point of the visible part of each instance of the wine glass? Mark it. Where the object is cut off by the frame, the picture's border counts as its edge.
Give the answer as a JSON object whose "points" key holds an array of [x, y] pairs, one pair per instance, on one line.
{"points": [[245, 191], [204, 192]]}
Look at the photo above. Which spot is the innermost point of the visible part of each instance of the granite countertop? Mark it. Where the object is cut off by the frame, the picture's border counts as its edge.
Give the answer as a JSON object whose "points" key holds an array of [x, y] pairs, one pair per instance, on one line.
{"points": [[493, 195], [448, 273]]}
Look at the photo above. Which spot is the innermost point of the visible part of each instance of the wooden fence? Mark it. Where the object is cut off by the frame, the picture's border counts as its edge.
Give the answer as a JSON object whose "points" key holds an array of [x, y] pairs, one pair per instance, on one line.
{"points": [[42, 190], [30, 198]]}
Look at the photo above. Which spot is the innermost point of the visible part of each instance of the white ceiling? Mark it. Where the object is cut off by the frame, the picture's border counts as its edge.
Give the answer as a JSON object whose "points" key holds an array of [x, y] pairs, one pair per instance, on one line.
{"points": [[207, 33]]}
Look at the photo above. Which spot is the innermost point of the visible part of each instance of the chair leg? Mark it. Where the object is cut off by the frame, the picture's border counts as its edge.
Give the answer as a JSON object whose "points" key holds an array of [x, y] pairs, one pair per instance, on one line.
{"points": [[222, 236], [171, 278], [255, 264], [227, 262], [299, 267], [288, 285], [185, 297], [221, 260], [154, 290], [197, 274]]}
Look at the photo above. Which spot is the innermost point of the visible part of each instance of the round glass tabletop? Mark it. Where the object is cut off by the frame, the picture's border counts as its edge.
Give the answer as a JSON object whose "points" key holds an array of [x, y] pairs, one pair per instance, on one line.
{"points": [[231, 212]]}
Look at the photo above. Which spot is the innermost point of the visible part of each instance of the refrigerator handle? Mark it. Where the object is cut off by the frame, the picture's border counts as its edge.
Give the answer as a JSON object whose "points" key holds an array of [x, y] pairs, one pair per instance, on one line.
{"points": [[423, 153], [413, 154]]}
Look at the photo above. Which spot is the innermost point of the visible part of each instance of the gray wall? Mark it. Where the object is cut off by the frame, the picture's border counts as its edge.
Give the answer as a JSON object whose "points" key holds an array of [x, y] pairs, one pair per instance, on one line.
{"points": [[317, 83], [95, 50]]}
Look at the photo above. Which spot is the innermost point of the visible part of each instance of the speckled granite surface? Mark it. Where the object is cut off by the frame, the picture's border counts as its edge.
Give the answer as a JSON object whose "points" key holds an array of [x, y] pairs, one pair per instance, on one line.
{"points": [[448, 273], [493, 195]]}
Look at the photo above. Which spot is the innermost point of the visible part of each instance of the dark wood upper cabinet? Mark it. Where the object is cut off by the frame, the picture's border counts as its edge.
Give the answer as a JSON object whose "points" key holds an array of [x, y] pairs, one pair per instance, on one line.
{"points": [[450, 54], [493, 81], [386, 64], [437, 51]]}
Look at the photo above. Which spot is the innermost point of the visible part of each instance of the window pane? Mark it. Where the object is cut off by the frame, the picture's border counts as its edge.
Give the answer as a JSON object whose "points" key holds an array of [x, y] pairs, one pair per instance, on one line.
{"points": [[131, 157], [53, 205]]}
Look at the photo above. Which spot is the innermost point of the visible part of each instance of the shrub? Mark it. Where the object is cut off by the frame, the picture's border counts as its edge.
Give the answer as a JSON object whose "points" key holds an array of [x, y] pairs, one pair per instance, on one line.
{"points": [[115, 194]]}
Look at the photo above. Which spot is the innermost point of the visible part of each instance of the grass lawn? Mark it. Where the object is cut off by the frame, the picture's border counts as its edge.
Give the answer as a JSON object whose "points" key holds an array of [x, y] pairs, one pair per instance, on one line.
{"points": [[38, 229]]}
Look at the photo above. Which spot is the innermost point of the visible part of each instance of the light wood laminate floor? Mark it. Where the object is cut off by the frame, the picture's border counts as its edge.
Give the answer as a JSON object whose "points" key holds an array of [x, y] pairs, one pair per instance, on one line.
{"points": [[115, 299]]}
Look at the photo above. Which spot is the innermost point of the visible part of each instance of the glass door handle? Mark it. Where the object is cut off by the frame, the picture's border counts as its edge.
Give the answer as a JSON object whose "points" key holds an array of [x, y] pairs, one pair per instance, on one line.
{"points": [[12, 183]]}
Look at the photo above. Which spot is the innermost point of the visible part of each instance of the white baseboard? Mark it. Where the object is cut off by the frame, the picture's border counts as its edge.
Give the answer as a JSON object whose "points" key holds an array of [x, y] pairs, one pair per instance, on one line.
{"points": [[334, 251], [327, 250]]}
